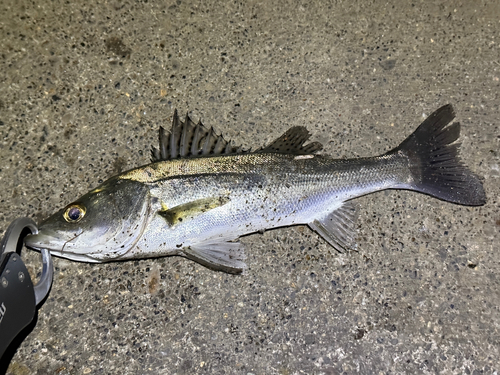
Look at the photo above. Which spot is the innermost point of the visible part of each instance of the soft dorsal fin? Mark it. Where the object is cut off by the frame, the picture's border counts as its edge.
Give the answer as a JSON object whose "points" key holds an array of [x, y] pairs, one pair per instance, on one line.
{"points": [[187, 139], [292, 142]]}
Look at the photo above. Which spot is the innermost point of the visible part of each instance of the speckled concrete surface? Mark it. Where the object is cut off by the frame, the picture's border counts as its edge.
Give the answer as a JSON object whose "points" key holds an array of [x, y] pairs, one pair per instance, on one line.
{"points": [[83, 89]]}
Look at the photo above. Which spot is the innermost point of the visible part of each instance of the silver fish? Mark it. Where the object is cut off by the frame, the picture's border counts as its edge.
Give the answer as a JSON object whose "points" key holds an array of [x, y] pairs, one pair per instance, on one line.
{"points": [[200, 194]]}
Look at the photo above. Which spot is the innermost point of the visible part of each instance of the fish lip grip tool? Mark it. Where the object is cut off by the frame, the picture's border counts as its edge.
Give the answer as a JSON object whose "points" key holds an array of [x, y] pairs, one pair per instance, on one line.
{"points": [[19, 298]]}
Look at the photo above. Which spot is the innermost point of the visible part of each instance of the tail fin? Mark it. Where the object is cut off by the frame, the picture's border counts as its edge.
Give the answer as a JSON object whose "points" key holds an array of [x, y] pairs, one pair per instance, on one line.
{"points": [[434, 162]]}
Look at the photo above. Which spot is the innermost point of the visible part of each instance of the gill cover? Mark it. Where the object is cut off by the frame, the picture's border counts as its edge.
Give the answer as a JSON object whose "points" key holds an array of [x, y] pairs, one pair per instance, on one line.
{"points": [[100, 226]]}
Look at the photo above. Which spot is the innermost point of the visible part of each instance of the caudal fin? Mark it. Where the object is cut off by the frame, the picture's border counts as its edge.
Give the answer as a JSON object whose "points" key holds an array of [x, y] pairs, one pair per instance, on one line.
{"points": [[434, 162]]}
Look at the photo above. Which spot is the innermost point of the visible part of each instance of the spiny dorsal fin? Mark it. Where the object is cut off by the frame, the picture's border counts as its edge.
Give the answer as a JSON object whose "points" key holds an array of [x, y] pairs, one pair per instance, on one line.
{"points": [[292, 142], [187, 139]]}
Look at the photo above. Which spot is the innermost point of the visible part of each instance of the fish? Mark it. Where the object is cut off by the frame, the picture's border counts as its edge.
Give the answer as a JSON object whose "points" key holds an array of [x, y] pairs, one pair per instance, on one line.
{"points": [[200, 194]]}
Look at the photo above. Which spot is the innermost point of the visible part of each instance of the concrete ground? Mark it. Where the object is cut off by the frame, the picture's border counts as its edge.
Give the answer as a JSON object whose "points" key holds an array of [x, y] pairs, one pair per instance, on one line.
{"points": [[84, 86]]}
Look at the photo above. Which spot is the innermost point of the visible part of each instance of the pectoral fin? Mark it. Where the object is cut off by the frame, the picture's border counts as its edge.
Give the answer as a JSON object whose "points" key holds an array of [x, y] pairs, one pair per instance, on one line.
{"points": [[186, 211], [338, 227], [220, 256]]}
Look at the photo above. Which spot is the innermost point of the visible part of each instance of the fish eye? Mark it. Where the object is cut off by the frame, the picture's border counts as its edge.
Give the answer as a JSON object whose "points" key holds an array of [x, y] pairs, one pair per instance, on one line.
{"points": [[74, 212]]}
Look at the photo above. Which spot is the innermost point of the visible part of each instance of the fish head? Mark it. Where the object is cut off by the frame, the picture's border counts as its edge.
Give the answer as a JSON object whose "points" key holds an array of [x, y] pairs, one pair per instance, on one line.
{"points": [[102, 225]]}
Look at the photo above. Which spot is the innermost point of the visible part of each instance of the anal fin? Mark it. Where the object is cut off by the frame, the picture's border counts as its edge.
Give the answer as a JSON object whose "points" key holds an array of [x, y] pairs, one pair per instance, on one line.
{"points": [[338, 227], [219, 256]]}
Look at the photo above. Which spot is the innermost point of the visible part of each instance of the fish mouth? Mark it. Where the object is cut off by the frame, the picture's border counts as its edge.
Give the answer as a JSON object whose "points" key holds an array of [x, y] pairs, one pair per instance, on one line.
{"points": [[46, 241], [56, 246]]}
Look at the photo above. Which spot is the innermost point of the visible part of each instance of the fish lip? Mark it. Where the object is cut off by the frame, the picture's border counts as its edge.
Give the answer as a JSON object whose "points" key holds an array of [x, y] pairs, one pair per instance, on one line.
{"points": [[44, 241], [49, 239]]}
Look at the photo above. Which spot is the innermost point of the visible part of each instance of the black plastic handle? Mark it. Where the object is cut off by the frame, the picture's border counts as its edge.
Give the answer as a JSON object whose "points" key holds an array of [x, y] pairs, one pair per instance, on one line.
{"points": [[17, 299]]}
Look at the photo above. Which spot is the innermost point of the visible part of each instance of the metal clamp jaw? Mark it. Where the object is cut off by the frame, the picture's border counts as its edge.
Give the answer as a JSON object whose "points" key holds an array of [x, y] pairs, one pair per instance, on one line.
{"points": [[18, 297], [13, 242]]}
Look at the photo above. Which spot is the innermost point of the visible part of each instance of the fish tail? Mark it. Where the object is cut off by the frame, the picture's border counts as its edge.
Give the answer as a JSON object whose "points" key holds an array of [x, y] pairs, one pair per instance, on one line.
{"points": [[434, 162]]}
